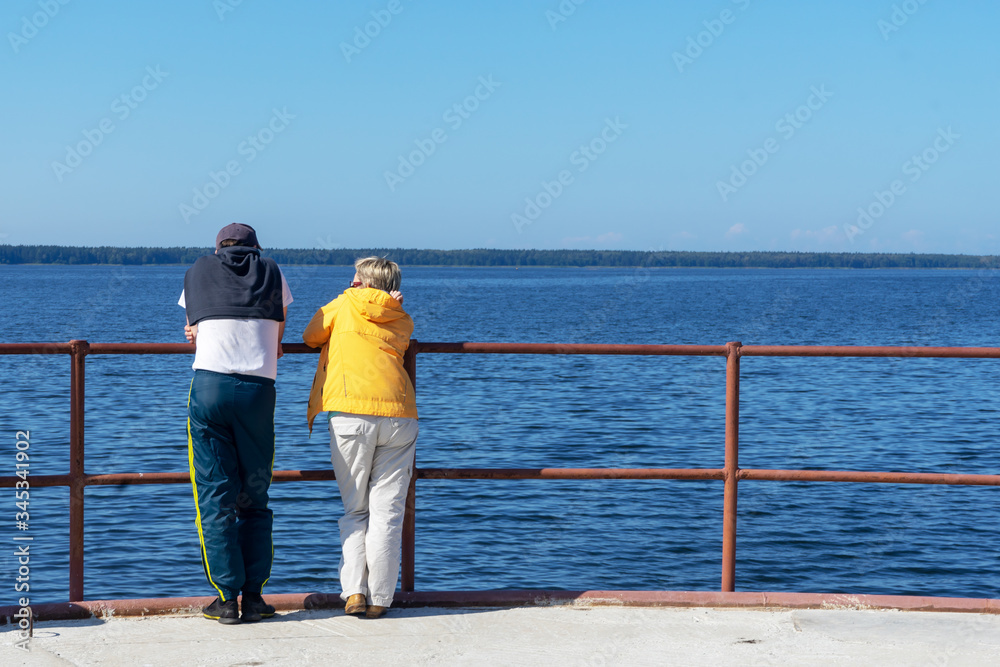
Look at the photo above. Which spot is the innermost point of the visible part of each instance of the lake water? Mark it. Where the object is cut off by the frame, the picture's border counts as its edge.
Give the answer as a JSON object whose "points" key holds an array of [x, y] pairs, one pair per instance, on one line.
{"points": [[925, 415]]}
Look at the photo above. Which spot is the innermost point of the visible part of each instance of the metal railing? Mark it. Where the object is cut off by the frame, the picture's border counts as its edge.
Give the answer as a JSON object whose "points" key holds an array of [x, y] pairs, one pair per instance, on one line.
{"points": [[730, 474]]}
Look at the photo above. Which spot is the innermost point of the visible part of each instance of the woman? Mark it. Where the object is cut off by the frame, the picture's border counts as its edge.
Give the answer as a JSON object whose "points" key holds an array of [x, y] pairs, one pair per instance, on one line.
{"points": [[361, 381]]}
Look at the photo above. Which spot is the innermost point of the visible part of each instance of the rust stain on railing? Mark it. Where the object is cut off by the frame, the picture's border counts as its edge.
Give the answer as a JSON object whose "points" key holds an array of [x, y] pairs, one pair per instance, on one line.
{"points": [[77, 479]]}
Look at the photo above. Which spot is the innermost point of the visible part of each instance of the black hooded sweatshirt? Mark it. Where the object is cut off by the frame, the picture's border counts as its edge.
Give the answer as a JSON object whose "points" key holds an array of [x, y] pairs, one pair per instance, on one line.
{"points": [[235, 283]]}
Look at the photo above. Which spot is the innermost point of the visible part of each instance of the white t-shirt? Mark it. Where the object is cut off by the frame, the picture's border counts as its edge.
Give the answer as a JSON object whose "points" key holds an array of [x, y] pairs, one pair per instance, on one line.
{"points": [[245, 346]]}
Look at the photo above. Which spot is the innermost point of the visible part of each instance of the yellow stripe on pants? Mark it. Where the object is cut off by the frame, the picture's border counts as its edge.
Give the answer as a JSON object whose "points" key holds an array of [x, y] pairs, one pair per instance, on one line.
{"points": [[197, 506]]}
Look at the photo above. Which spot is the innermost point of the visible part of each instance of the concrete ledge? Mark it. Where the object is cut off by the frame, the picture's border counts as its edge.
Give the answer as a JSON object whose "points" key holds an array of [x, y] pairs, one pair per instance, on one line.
{"points": [[743, 600], [525, 598], [528, 636]]}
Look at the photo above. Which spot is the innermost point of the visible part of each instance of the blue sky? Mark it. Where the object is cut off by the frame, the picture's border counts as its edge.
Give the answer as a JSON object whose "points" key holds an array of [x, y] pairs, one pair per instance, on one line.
{"points": [[710, 125]]}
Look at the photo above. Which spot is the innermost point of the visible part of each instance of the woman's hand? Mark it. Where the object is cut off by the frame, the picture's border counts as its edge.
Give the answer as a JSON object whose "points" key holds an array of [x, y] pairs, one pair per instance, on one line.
{"points": [[397, 295]]}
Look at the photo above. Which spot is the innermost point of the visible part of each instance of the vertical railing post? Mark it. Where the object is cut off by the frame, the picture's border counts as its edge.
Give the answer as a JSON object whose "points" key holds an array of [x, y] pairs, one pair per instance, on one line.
{"points": [[78, 356], [731, 466], [410, 510]]}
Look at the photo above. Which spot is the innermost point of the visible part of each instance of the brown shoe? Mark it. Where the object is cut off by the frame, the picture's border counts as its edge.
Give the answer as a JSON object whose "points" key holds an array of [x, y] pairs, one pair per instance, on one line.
{"points": [[356, 604], [376, 611]]}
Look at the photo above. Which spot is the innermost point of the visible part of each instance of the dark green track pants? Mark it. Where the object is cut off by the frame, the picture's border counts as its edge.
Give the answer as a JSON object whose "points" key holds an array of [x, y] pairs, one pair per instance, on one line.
{"points": [[231, 455]]}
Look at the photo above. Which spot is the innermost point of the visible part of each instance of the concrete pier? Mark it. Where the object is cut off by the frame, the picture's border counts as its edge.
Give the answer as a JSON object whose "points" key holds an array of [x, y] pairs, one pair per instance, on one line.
{"points": [[556, 635]]}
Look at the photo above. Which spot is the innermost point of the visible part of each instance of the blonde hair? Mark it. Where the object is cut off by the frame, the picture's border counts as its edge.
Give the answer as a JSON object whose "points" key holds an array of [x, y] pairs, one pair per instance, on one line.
{"points": [[379, 272]]}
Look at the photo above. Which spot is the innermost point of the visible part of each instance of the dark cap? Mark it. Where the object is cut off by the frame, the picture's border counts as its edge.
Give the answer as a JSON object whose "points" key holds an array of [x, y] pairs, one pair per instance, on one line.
{"points": [[237, 232]]}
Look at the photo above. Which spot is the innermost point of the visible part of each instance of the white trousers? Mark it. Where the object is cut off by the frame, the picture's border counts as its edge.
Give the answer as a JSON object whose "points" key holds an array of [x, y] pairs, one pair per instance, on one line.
{"points": [[373, 460]]}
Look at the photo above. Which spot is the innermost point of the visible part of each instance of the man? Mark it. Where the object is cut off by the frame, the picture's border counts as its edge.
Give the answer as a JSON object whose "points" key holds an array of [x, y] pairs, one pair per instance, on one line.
{"points": [[236, 302]]}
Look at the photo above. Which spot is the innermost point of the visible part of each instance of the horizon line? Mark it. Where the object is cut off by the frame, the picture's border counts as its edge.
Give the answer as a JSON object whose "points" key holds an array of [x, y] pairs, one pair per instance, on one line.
{"points": [[617, 250]]}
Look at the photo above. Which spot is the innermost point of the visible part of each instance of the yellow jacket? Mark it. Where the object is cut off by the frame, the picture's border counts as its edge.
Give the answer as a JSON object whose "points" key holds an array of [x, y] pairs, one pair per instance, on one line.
{"points": [[364, 333]]}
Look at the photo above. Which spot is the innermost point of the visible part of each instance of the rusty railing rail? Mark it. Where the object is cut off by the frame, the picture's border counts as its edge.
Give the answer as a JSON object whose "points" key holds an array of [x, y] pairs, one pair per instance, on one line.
{"points": [[730, 474]]}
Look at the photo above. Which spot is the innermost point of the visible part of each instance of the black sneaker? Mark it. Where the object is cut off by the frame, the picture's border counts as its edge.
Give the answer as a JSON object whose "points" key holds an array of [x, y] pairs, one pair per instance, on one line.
{"points": [[254, 608], [224, 612]]}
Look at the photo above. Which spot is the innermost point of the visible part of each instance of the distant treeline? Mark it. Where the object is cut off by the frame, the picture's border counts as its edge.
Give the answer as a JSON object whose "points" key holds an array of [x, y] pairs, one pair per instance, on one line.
{"points": [[35, 254]]}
